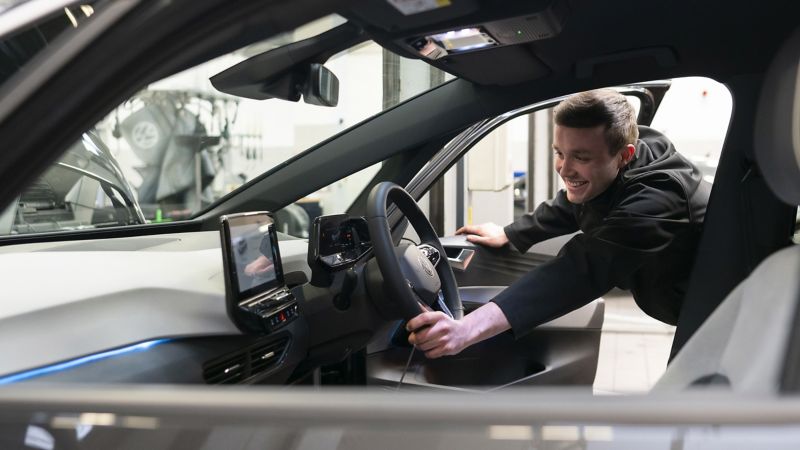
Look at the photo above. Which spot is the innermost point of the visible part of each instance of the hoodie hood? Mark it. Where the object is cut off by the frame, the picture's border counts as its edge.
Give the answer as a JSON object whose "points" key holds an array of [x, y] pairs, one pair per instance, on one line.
{"points": [[655, 152]]}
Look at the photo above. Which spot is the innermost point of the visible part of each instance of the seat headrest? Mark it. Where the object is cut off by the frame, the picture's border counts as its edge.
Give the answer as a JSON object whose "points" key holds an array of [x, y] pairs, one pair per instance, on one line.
{"points": [[777, 128]]}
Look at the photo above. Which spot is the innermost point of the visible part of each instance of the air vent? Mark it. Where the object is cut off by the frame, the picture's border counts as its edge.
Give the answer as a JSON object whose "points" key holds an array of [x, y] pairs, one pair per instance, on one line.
{"points": [[39, 195], [228, 371], [246, 363], [267, 356]]}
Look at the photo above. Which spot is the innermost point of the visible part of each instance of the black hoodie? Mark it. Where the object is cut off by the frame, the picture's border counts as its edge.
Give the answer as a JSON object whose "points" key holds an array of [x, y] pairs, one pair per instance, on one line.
{"points": [[639, 234]]}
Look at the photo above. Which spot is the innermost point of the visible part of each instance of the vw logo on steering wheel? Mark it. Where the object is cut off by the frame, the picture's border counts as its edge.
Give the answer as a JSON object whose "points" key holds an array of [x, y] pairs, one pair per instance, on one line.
{"points": [[426, 265]]}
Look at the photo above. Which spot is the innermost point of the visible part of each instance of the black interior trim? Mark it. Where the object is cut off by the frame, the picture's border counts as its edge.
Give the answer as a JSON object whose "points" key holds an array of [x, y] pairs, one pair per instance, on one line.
{"points": [[186, 226], [664, 56]]}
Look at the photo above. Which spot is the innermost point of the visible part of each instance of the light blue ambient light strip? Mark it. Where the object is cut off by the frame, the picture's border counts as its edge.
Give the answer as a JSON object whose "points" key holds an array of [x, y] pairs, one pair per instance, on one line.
{"points": [[80, 361]]}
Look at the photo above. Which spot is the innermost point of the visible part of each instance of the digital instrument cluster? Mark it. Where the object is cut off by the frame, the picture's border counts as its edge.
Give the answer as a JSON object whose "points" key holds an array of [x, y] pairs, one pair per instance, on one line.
{"points": [[337, 241], [341, 240]]}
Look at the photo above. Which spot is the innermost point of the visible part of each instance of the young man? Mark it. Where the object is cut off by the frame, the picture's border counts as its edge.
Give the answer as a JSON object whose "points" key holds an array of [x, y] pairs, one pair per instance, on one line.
{"points": [[640, 207]]}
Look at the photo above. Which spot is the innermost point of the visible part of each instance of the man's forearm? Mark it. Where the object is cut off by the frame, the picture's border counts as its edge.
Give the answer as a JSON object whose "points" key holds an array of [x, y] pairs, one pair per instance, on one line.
{"points": [[485, 322]]}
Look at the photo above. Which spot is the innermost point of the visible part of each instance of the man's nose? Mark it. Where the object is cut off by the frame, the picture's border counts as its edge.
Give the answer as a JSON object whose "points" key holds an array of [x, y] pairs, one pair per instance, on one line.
{"points": [[564, 167]]}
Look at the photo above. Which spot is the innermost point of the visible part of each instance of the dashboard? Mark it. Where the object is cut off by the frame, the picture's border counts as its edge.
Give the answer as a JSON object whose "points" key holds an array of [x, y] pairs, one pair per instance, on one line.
{"points": [[112, 294], [158, 308]]}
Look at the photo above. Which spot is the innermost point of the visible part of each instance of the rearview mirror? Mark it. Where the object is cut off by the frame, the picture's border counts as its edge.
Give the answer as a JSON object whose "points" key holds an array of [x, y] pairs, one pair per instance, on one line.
{"points": [[322, 87], [292, 71]]}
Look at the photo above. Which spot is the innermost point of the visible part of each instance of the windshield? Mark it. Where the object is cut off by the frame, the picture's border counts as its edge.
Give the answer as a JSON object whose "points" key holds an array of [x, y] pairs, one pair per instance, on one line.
{"points": [[178, 144]]}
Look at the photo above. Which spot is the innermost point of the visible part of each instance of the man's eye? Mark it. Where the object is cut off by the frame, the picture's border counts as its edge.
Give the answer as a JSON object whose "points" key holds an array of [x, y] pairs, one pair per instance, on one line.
{"points": [[580, 159]]}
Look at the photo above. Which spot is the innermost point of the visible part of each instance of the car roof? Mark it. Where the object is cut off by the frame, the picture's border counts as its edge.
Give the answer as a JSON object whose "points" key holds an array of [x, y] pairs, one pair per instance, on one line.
{"points": [[717, 39]]}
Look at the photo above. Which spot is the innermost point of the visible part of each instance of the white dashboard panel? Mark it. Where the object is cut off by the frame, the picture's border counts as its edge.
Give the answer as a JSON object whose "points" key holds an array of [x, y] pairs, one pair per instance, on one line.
{"points": [[64, 300]]}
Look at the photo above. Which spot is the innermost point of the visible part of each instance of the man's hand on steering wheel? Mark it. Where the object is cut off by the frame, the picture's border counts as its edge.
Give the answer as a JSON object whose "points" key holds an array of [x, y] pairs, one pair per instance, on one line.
{"points": [[444, 336], [410, 278]]}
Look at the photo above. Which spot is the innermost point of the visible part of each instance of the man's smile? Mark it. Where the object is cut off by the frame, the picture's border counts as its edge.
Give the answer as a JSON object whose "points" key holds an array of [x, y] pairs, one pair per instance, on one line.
{"points": [[575, 184]]}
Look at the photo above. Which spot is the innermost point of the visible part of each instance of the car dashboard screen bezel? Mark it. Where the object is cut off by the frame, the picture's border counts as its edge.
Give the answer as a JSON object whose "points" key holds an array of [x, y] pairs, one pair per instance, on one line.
{"points": [[260, 219]]}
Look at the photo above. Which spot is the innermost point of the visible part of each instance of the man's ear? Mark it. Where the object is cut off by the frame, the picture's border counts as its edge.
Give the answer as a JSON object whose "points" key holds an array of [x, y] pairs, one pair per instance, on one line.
{"points": [[626, 154]]}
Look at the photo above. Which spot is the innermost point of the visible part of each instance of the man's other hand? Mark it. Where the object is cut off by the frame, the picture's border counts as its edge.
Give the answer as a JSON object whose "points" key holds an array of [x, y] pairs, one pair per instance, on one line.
{"points": [[444, 336], [487, 234]]}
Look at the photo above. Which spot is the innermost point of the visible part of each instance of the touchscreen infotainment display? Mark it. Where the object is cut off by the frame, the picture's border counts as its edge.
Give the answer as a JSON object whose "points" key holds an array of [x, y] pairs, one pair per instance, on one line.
{"points": [[253, 258]]}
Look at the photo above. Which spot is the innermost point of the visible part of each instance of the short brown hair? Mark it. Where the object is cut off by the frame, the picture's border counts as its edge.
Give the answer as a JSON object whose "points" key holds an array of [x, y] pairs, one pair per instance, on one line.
{"points": [[601, 107]]}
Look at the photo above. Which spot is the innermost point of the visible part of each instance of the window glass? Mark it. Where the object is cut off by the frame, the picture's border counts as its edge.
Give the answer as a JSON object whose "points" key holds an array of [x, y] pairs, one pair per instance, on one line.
{"points": [[336, 198], [402, 79], [695, 114], [178, 145], [501, 195]]}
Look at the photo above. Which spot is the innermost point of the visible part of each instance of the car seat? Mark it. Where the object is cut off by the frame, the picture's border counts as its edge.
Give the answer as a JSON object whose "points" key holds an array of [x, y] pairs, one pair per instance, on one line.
{"points": [[743, 343]]}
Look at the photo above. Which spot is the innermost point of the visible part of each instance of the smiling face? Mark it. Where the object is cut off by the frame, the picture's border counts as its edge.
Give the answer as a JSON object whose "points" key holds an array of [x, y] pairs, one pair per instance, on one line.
{"points": [[584, 162]]}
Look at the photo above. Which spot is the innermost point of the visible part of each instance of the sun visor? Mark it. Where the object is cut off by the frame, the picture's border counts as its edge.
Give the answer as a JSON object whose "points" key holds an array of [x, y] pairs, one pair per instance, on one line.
{"points": [[777, 128], [395, 15], [501, 66]]}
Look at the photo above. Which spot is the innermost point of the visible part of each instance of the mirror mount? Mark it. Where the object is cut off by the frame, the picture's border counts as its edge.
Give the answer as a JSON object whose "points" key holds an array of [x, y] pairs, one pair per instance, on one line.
{"points": [[284, 88]]}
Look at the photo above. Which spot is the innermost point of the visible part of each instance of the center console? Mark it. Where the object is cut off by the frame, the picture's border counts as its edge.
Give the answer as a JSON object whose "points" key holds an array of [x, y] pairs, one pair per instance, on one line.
{"points": [[257, 298]]}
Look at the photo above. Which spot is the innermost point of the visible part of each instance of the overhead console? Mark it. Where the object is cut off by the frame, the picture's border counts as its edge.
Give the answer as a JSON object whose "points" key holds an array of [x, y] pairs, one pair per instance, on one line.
{"points": [[257, 298], [516, 30]]}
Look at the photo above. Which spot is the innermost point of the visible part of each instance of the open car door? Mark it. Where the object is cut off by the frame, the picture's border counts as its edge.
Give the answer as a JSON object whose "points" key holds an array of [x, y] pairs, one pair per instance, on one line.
{"points": [[561, 352]]}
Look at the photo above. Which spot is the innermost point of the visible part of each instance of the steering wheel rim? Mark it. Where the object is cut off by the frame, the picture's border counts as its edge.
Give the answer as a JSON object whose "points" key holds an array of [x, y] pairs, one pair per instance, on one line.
{"points": [[398, 286]]}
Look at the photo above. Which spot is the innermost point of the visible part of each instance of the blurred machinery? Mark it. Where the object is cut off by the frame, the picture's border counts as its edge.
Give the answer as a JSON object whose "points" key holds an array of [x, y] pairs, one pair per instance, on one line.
{"points": [[180, 136]]}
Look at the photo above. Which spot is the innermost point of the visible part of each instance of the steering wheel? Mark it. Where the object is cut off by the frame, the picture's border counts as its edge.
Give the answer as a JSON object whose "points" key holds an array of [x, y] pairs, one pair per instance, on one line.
{"points": [[412, 275]]}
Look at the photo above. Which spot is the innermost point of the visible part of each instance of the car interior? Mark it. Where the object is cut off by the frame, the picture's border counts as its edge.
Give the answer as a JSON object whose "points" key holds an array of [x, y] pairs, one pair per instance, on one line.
{"points": [[186, 302]]}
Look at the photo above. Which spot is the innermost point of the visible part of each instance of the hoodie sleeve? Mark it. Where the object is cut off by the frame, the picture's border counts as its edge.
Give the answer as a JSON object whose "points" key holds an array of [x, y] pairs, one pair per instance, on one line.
{"points": [[646, 220], [552, 218]]}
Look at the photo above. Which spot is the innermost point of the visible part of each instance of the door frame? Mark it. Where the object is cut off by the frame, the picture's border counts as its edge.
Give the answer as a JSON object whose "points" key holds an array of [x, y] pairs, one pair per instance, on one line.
{"points": [[649, 93]]}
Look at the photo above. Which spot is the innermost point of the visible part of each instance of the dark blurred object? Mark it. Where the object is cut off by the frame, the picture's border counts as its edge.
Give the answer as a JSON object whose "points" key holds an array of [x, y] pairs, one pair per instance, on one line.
{"points": [[174, 145], [313, 208], [520, 194], [292, 220]]}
